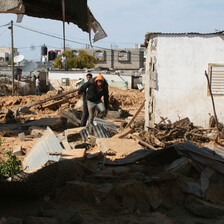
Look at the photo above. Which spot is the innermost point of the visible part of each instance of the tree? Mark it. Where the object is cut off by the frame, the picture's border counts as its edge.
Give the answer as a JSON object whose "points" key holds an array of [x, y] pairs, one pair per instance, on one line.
{"points": [[83, 60]]}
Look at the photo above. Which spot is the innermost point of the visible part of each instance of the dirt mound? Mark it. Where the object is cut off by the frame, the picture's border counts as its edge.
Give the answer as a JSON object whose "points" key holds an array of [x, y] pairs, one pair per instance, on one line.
{"points": [[126, 98]]}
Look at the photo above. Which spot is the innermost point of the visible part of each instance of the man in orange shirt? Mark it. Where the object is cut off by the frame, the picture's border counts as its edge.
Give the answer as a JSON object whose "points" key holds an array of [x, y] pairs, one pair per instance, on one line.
{"points": [[95, 89]]}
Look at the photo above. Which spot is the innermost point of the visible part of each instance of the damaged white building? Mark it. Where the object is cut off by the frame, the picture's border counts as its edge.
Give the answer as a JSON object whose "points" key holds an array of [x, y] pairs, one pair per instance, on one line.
{"points": [[175, 84]]}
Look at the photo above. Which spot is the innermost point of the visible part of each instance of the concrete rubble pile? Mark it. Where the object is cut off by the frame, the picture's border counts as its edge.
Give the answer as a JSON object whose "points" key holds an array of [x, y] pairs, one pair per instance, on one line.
{"points": [[172, 173], [21, 87]]}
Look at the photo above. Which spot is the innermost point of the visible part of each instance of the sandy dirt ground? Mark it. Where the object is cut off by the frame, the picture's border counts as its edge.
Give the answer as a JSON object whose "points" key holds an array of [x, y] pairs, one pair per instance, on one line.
{"points": [[92, 188]]}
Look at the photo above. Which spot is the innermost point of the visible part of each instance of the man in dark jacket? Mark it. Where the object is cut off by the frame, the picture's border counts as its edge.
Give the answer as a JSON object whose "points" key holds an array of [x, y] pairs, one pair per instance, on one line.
{"points": [[95, 89], [85, 114]]}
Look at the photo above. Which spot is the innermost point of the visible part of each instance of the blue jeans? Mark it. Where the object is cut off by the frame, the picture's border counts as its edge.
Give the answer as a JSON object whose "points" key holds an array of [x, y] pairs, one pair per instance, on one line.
{"points": [[37, 91], [85, 114], [92, 107]]}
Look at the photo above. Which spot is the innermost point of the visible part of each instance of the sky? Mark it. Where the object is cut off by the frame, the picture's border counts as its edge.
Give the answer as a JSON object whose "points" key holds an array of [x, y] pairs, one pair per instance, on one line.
{"points": [[125, 21]]}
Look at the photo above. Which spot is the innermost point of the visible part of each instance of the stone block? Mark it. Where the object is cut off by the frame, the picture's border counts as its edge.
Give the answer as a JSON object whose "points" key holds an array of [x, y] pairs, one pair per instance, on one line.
{"points": [[122, 147], [17, 151], [72, 154], [22, 137]]}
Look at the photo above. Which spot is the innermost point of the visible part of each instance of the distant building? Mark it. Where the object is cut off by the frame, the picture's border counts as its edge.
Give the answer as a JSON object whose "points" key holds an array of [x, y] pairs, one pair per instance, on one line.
{"points": [[117, 59], [5, 53]]}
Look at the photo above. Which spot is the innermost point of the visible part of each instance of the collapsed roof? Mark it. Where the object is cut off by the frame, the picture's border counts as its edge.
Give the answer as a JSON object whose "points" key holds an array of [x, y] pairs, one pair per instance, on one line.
{"points": [[76, 11]]}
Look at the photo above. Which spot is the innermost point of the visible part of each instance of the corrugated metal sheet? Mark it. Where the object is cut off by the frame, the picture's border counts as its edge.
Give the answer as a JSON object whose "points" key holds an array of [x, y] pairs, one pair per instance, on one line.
{"points": [[107, 124], [39, 154], [99, 131], [217, 79]]}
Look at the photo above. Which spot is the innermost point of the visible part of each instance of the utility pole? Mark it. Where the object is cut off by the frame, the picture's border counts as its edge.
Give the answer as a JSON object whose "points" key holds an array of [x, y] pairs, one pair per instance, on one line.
{"points": [[12, 57], [63, 14]]}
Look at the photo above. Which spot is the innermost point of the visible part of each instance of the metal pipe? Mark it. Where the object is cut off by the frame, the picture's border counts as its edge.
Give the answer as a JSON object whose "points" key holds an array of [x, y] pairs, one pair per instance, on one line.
{"points": [[63, 14], [213, 105], [12, 58]]}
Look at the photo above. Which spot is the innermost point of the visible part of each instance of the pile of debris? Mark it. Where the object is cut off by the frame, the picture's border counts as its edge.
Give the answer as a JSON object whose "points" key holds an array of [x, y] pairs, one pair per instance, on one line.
{"points": [[104, 175], [165, 134], [172, 173]]}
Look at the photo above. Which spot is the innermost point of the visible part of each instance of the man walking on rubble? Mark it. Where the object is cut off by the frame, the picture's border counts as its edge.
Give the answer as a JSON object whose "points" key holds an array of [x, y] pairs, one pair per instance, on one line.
{"points": [[85, 114], [95, 89]]}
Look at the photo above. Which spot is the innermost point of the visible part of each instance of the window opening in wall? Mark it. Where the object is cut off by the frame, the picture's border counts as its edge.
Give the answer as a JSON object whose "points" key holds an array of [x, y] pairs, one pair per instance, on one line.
{"points": [[123, 56], [216, 76], [100, 55], [65, 81]]}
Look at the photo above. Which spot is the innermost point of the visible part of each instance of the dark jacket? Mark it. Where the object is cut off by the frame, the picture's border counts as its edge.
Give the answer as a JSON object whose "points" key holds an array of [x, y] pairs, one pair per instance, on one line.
{"points": [[92, 94]]}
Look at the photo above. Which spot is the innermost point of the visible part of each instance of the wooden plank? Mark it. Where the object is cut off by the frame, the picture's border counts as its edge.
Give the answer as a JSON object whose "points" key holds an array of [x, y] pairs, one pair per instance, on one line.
{"points": [[123, 133], [136, 114], [143, 143], [47, 99], [59, 102]]}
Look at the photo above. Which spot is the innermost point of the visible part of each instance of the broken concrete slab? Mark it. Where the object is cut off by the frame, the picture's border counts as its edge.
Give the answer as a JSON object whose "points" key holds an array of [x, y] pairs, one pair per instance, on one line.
{"points": [[71, 117], [17, 151], [204, 156], [122, 147], [206, 174], [73, 134], [132, 158], [44, 122], [182, 166], [203, 208], [66, 145], [72, 154], [193, 188], [37, 133]]}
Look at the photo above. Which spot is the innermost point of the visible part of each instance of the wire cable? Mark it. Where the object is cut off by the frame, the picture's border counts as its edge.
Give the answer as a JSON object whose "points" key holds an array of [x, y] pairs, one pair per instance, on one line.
{"points": [[68, 40], [4, 25]]}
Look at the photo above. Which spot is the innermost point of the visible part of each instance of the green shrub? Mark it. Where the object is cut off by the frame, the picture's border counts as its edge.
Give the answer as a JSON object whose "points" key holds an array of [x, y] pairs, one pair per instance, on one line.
{"points": [[83, 60], [10, 167]]}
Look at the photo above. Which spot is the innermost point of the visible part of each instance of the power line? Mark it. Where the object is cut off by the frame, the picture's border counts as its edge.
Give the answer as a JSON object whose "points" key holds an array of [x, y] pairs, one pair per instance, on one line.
{"points": [[3, 32], [5, 25], [49, 35], [57, 37], [28, 47]]}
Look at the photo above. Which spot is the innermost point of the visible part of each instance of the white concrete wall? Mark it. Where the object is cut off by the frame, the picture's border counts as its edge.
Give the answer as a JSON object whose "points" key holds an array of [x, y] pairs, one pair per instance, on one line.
{"points": [[181, 90], [55, 78]]}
